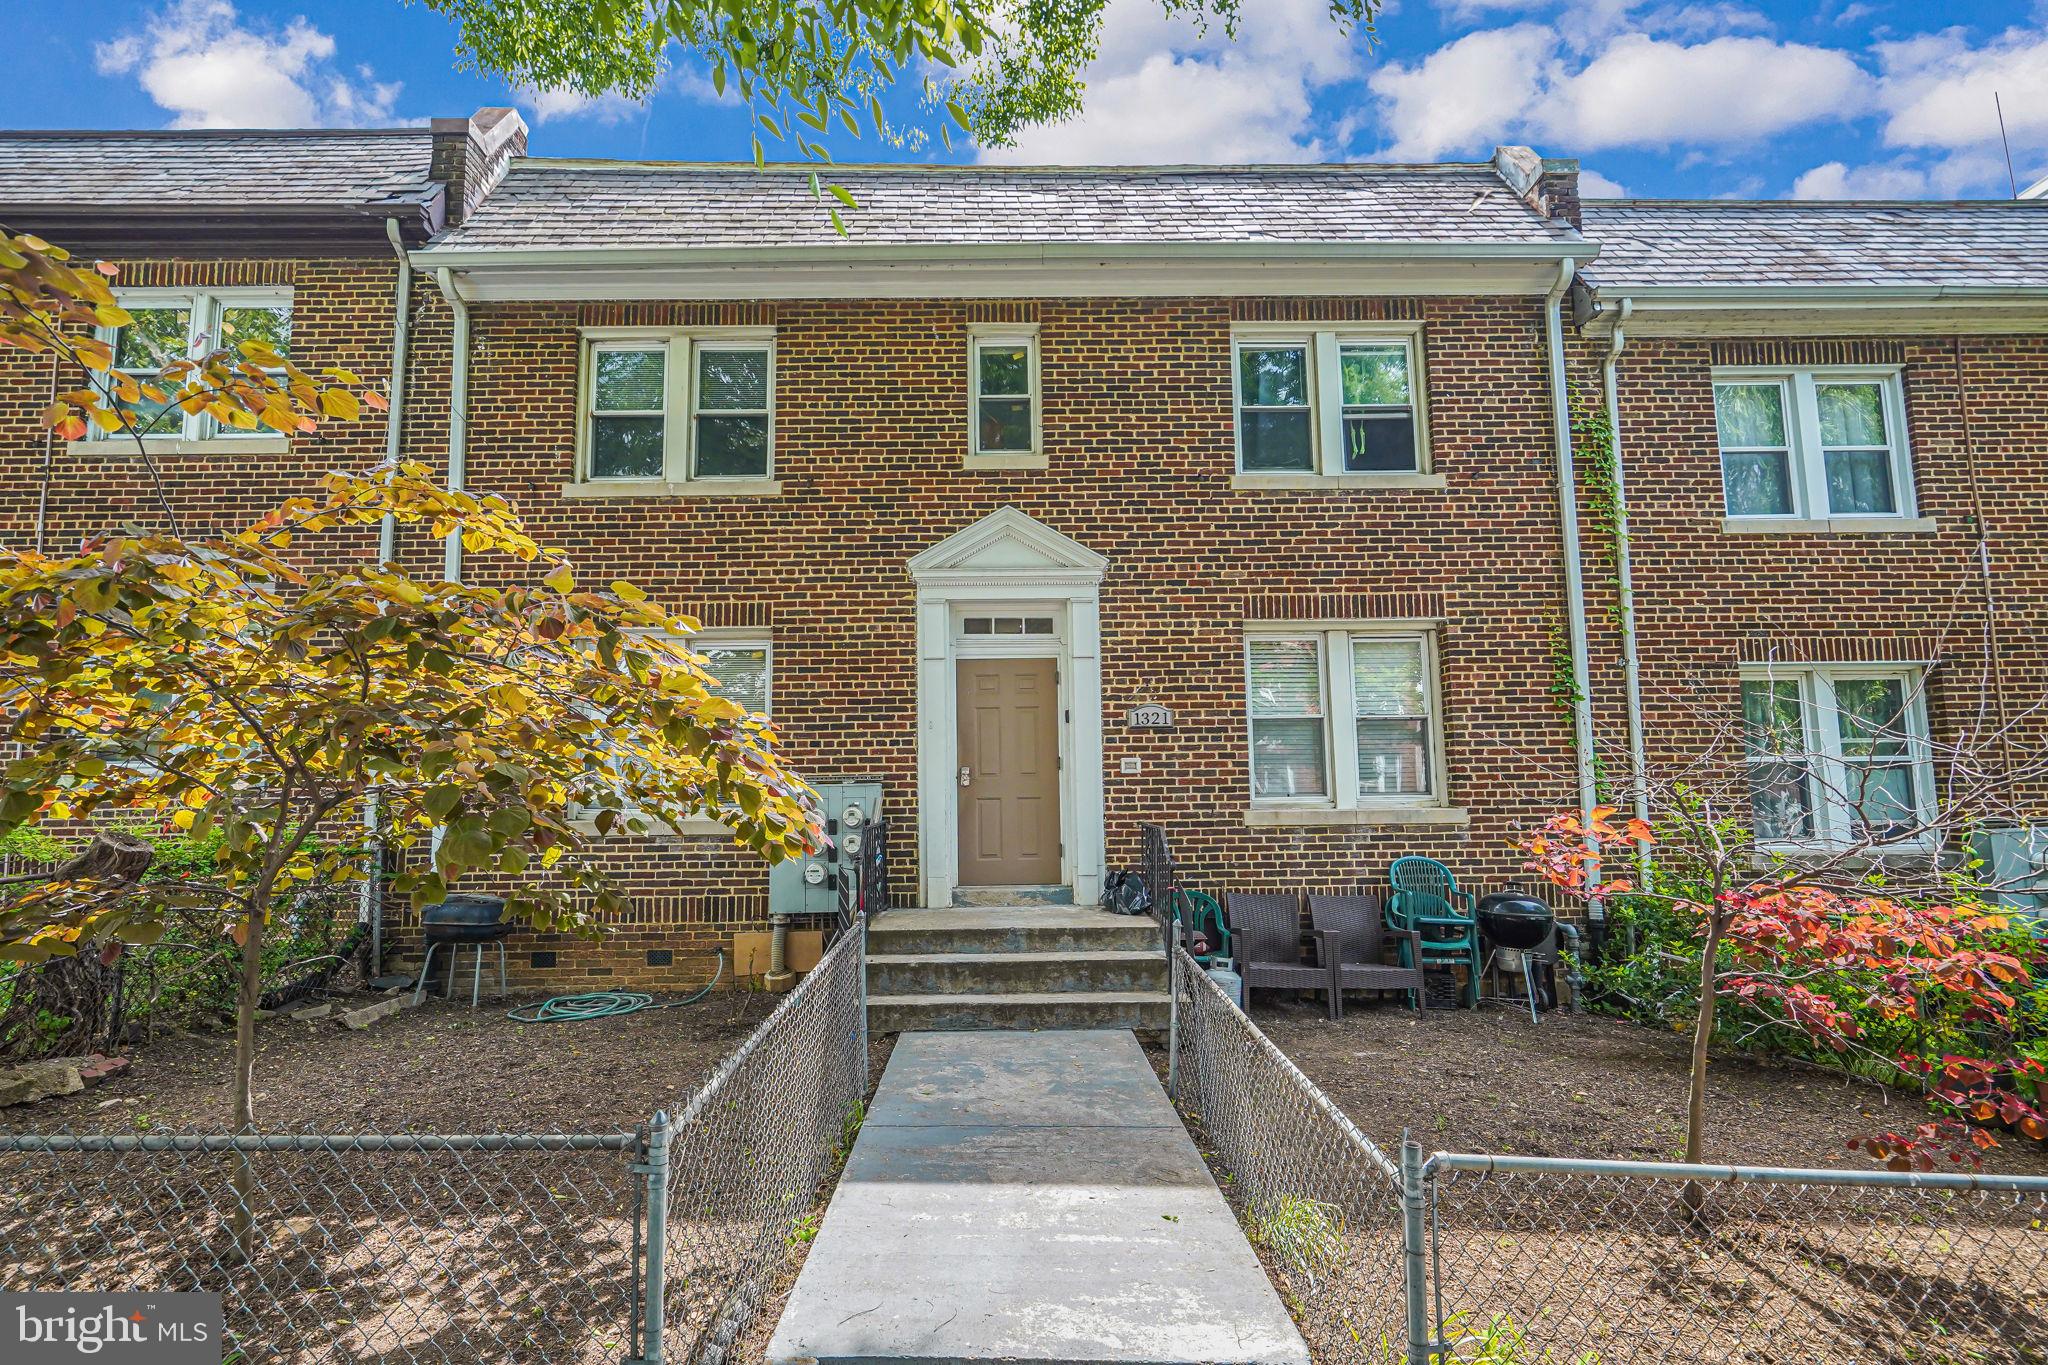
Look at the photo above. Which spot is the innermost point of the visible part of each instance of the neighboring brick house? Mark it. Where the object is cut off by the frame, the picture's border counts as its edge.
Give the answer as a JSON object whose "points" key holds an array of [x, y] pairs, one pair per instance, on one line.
{"points": [[1056, 501]]}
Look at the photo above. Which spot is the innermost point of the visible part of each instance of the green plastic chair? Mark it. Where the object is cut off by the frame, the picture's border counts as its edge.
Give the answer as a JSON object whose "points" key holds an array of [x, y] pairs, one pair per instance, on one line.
{"points": [[1197, 911], [1427, 900]]}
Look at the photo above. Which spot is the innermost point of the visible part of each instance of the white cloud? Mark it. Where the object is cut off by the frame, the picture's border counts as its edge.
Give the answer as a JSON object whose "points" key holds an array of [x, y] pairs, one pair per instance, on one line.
{"points": [[1634, 90], [211, 70], [1835, 180], [608, 108], [1160, 91], [1465, 94], [1937, 89], [1593, 185]]}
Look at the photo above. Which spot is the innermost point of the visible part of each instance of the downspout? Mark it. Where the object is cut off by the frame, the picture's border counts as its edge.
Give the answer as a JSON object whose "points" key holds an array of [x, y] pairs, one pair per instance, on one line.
{"points": [[1574, 576], [458, 413], [372, 906], [1631, 667]]}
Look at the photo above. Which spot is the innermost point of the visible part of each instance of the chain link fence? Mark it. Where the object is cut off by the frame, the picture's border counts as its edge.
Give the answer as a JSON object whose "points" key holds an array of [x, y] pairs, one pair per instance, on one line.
{"points": [[1517, 1260], [534, 1249]]}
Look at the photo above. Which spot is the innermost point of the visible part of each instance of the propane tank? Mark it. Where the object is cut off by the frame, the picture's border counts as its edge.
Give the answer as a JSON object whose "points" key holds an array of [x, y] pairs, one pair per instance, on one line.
{"points": [[1226, 978]]}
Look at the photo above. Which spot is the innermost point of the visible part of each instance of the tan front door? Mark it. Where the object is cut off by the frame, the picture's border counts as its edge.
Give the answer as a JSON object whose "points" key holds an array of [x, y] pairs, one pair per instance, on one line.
{"points": [[1009, 772]]}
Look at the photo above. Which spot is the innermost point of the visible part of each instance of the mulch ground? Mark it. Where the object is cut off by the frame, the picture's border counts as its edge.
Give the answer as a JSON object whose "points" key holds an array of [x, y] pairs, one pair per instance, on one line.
{"points": [[1582, 1086], [442, 1068]]}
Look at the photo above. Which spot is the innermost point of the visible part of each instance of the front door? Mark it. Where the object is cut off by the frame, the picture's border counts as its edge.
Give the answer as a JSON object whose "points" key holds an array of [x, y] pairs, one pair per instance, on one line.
{"points": [[1009, 772]]}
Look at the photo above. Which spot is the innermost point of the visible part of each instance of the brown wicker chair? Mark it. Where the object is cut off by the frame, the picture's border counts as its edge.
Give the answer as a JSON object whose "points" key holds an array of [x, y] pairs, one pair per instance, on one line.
{"points": [[1265, 932], [1352, 937]]}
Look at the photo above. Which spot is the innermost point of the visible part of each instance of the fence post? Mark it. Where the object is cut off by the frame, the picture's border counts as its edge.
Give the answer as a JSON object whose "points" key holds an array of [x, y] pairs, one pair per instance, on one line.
{"points": [[653, 1169], [1414, 1248], [860, 971], [1173, 1022]]}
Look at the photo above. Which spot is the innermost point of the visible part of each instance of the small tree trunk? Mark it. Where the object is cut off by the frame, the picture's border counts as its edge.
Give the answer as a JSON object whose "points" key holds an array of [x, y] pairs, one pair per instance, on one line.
{"points": [[243, 1117], [1702, 1034]]}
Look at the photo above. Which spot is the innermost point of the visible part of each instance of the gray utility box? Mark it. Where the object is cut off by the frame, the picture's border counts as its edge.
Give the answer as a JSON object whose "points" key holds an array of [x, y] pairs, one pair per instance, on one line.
{"points": [[811, 885]]}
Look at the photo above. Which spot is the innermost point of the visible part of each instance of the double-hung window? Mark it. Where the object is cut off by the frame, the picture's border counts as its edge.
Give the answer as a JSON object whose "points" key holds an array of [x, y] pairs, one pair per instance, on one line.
{"points": [[1812, 444], [1003, 403], [1343, 718], [168, 325], [1836, 754], [666, 408], [1329, 403]]}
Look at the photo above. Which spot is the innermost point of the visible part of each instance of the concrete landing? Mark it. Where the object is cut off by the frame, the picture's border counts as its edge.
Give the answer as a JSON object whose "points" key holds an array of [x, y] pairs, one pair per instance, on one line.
{"points": [[1029, 1197]]}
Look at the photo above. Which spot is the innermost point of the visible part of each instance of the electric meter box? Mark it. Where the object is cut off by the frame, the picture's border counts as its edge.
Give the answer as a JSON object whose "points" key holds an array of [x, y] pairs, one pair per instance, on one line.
{"points": [[811, 885]]}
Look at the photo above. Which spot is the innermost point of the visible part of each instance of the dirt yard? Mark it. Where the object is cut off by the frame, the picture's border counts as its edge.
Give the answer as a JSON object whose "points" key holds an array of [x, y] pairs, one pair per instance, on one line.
{"points": [[439, 1068], [1581, 1086]]}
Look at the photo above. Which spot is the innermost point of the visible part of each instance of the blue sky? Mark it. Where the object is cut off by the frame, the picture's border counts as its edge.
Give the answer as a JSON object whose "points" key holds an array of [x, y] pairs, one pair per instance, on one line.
{"points": [[1746, 98]]}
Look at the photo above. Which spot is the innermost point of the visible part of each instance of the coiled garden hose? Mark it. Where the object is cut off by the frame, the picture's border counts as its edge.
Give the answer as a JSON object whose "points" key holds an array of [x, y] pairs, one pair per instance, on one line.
{"points": [[570, 1009]]}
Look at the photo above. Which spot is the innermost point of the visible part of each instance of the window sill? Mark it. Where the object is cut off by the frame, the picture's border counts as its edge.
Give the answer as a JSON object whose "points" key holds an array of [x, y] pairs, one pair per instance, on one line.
{"points": [[272, 444], [656, 488], [1828, 526], [1268, 816], [1007, 460], [1331, 483]]}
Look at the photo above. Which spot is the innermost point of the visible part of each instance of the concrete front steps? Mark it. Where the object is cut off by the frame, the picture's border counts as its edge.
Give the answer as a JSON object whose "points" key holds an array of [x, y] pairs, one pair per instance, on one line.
{"points": [[1014, 967]]}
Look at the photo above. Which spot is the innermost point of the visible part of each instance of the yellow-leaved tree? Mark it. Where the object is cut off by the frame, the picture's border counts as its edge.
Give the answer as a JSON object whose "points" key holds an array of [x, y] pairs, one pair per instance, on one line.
{"points": [[226, 684]]}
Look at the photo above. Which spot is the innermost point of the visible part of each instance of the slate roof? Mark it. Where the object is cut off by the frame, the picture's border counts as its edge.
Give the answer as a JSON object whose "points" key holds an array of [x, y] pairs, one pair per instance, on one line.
{"points": [[173, 171], [545, 204], [1988, 243]]}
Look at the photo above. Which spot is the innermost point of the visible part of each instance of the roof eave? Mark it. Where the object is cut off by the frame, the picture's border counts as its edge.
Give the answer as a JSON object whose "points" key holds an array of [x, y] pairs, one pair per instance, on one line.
{"points": [[1810, 309], [458, 257]]}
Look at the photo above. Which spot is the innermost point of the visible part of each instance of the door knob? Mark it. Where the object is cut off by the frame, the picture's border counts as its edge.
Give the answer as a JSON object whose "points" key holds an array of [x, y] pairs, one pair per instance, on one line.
{"points": [[966, 775]]}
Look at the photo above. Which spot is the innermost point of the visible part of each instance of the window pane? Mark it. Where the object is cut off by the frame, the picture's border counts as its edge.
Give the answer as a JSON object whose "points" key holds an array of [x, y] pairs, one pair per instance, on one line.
{"points": [[1771, 723], [976, 625], [1750, 414], [732, 447], [1870, 716], [629, 381], [1005, 424], [1286, 677], [1379, 444], [156, 337], [1038, 625], [1273, 376], [1880, 798], [1276, 440], [1780, 801], [1387, 677], [1851, 414], [1860, 483], [1005, 369], [1374, 375], [1287, 758], [731, 379], [1393, 757], [271, 323], [1757, 484], [742, 673], [625, 447]]}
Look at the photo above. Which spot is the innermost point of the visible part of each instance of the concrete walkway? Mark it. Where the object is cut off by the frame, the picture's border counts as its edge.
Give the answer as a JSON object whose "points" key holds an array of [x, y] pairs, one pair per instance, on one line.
{"points": [[1029, 1197]]}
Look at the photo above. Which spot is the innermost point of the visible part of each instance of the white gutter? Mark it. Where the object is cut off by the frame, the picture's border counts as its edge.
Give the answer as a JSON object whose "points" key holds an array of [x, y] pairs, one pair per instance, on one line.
{"points": [[458, 413], [1630, 664], [401, 337], [1574, 576]]}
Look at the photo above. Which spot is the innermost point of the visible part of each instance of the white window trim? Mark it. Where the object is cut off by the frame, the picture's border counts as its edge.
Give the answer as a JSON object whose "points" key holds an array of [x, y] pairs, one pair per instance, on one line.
{"points": [[1809, 474], [1340, 741], [1823, 748], [678, 476], [195, 430], [980, 334], [1326, 405], [715, 637]]}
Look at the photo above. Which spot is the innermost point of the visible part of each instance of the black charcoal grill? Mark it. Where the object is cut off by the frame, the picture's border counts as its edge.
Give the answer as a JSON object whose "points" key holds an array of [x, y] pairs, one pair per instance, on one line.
{"points": [[1518, 930], [459, 920]]}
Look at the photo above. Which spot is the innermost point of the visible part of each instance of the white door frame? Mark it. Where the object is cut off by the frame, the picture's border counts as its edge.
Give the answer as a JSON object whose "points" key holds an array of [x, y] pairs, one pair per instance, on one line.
{"points": [[1010, 562]]}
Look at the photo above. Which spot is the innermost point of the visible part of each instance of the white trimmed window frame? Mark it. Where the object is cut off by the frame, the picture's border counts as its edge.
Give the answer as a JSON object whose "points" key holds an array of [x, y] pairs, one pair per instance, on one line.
{"points": [[1807, 456], [206, 308], [698, 642], [1340, 715], [1827, 777], [1326, 397], [679, 347], [1025, 334]]}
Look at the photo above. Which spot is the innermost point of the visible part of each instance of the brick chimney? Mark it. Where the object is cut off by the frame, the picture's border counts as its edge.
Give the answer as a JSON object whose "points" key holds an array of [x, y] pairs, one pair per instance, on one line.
{"points": [[1547, 184], [470, 155]]}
